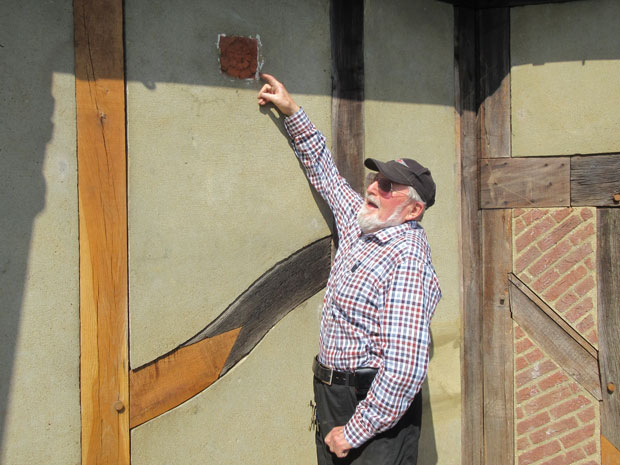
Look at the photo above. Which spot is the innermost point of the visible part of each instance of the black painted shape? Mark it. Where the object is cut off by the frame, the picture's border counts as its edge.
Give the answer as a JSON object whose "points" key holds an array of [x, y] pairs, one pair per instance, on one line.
{"points": [[272, 296]]}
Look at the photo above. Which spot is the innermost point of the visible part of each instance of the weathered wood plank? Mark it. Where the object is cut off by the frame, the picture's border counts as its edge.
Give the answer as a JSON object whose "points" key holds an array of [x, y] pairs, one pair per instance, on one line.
{"points": [[471, 288], [347, 42], [595, 180], [494, 77], [552, 337], [100, 100], [497, 338], [525, 182], [501, 3], [608, 268], [171, 380], [270, 298]]}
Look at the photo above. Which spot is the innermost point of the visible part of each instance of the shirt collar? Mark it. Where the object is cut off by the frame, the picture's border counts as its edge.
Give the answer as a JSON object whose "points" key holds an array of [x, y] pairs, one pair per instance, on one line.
{"points": [[386, 234]]}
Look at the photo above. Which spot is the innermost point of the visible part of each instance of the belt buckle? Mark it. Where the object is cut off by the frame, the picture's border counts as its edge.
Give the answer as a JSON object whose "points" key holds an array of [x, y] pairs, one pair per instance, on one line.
{"points": [[331, 376]]}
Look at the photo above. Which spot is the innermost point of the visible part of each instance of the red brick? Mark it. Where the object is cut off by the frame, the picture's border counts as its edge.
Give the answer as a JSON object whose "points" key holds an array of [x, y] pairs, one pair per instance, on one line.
{"points": [[525, 278], [584, 325], [519, 227], [589, 263], [534, 233], [579, 310], [552, 380], [566, 302], [570, 458], [547, 400], [523, 345], [545, 280], [578, 436], [560, 213], [519, 411], [592, 337], [574, 257], [521, 363], [558, 233], [519, 333], [565, 283], [590, 448], [553, 429], [527, 393], [526, 258], [517, 212], [523, 443], [569, 406], [585, 286], [550, 257], [590, 462], [535, 371], [582, 233], [587, 414], [586, 214], [534, 355], [539, 453], [534, 214], [531, 423]]}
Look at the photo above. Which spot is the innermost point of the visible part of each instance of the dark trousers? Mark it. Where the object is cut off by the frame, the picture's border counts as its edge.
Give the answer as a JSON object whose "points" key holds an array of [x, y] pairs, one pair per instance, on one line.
{"points": [[396, 446]]}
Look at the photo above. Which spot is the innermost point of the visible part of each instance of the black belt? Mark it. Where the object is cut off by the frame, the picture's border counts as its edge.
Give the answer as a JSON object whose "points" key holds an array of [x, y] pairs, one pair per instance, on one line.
{"points": [[361, 378]]}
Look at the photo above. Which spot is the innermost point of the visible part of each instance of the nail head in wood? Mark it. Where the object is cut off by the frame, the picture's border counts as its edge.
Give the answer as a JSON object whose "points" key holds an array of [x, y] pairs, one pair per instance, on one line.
{"points": [[611, 387], [119, 406], [616, 197]]}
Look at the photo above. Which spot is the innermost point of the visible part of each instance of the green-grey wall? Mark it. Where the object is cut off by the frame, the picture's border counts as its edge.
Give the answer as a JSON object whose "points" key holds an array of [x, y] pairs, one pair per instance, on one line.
{"points": [[39, 321], [564, 78]]}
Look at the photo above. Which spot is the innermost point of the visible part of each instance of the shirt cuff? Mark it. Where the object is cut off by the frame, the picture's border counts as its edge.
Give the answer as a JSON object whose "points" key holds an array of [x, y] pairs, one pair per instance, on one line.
{"points": [[298, 123], [356, 432]]}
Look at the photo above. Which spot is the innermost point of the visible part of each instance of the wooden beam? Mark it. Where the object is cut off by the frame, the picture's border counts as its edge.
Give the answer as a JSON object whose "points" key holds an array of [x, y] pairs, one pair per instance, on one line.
{"points": [[497, 338], [271, 297], [102, 187], [347, 42], [525, 182], [471, 287], [171, 380], [595, 180], [494, 77], [501, 3], [608, 268], [564, 345]]}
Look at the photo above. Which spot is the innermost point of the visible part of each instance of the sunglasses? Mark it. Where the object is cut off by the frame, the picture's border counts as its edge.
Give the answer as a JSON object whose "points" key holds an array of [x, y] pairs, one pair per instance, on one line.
{"points": [[385, 185]]}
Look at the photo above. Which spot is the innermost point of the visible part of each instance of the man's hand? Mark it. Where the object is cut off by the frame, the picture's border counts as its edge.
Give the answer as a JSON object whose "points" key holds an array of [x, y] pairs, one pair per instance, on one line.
{"points": [[337, 443], [277, 94]]}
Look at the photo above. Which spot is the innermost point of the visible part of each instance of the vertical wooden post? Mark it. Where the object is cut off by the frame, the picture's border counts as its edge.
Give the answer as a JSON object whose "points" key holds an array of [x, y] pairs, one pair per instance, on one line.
{"points": [[347, 41], [465, 73], [609, 327], [100, 100]]}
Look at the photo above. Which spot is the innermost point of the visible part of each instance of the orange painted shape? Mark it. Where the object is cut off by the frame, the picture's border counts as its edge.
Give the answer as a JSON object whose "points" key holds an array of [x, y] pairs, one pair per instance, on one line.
{"points": [[609, 454], [178, 376]]}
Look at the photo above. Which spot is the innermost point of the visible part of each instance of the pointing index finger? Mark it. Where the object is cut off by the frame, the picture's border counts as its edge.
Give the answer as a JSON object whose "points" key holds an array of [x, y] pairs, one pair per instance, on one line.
{"points": [[269, 78]]}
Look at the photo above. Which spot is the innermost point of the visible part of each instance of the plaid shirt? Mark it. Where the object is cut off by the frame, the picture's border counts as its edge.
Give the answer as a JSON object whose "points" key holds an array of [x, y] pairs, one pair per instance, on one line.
{"points": [[381, 294]]}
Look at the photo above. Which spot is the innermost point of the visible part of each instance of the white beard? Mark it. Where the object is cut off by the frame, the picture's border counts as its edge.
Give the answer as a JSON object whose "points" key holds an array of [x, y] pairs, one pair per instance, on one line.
{"points": [[368, 221]]}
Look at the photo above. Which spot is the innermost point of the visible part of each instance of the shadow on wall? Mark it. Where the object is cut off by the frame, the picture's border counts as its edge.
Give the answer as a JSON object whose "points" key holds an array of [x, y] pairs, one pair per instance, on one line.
{"points": [[26, 108]]}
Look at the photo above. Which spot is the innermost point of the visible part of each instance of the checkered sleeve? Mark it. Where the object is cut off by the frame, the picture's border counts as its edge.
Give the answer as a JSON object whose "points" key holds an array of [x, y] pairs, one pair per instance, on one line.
{"points": [[310, 148], [410, 298]]}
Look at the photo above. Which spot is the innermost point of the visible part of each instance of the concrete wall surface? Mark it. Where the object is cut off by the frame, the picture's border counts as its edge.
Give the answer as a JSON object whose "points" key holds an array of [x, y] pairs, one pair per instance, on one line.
{"points": [[39, 320], [409, 113], [216, 196], [564, 78]]}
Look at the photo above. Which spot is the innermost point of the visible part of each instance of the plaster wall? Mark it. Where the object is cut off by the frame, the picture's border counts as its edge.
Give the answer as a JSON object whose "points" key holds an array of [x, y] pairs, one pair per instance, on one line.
{"points": [[409, 113], [39, 319], [564, 78], [216, 198]]}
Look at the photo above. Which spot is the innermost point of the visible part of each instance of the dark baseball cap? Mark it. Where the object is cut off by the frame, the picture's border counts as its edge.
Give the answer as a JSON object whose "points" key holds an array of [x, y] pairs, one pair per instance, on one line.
{"points": [[408, 172]]}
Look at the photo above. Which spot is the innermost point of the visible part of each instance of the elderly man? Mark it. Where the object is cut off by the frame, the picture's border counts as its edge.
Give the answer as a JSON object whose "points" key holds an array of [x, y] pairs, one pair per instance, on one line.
{"points": [[381, 294]]}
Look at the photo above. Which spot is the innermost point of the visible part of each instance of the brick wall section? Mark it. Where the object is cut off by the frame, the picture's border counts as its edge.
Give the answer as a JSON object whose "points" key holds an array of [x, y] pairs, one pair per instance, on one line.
{"points": [[556, 420], [555, 254]]}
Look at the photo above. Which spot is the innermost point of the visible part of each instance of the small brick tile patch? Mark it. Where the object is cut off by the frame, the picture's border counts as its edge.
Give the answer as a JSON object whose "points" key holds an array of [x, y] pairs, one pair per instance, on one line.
{"points": [[554, 253], [556, 420], [238, 56]]}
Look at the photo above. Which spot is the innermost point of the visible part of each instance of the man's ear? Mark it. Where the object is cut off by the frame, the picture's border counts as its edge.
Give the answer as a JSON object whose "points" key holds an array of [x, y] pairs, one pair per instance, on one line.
{"points": [[416, 211]]}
